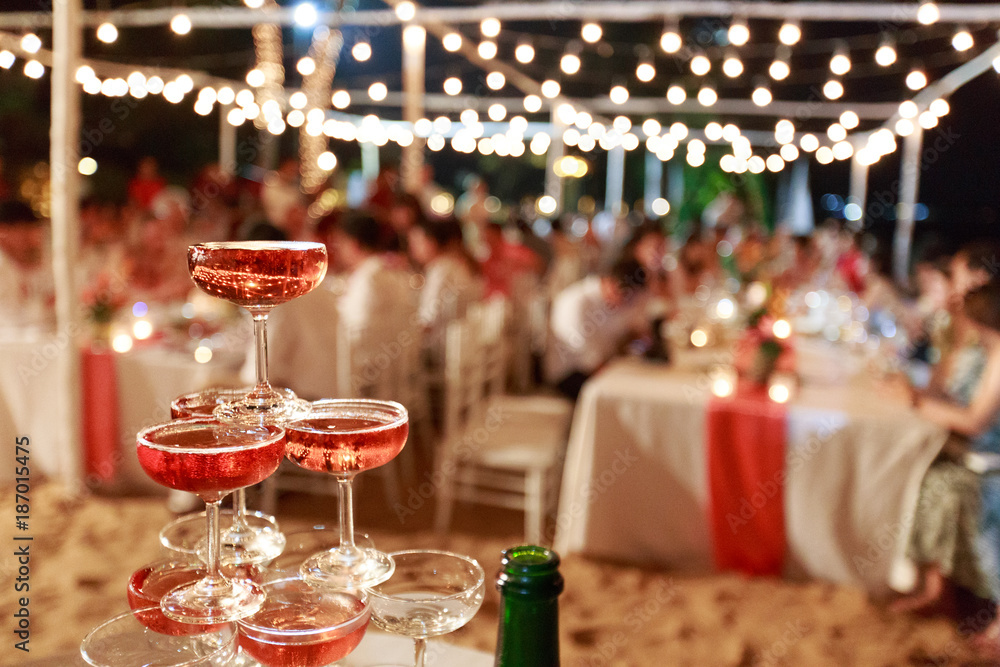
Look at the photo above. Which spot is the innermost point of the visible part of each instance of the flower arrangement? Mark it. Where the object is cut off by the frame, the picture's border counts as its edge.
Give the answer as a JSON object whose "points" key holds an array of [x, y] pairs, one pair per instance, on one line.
{"points": [[103, 298], [764, 346]]}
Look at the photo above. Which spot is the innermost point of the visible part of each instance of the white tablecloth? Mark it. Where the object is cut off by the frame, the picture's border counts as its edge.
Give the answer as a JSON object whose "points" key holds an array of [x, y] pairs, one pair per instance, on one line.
{"points": [[149, 377], [635, 484]]}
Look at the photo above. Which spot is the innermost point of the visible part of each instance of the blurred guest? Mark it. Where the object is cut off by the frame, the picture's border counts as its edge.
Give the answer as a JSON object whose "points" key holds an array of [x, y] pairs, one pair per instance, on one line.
{"points": [[451, 278], [404, 215], [956, 533], [507, 260], [805, 263], [427, 190], [382, 191], [27, 291], [567, 264], [146, 184], [852, 263], [375, 300], [648, 246], [102, 244], [282, 197], [471, 211], [697, 264], [155, 269], [591, 320]]}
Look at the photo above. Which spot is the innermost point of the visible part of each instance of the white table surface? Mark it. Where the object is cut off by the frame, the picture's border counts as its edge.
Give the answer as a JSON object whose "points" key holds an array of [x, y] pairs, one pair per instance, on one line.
{"points": [[635, 484], [377, 648]]}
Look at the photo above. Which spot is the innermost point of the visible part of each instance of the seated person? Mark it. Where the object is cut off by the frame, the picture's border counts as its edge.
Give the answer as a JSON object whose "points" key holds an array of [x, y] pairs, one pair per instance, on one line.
{"points": [[590, 322], [451, 278], [27, 290]]}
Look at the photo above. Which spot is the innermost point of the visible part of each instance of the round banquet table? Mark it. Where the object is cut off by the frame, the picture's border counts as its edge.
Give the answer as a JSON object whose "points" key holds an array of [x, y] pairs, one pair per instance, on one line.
{"points": [[635, 484]]}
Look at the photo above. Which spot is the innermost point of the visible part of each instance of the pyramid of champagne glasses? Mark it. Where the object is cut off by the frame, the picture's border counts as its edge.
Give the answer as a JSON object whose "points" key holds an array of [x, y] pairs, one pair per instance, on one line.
{"points": [[216, 601]]}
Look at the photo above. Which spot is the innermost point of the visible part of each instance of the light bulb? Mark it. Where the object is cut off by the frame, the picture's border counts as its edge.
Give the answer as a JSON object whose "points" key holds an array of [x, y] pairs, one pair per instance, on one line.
{"points": [[490, 27], [550, 88], [713, 131], [645, 72], [305, 15], [916, 80], [779, 70], [451, 42], [707, 96], [849, 119], [619, 94], [808, 143], [487, 50], [305, 66], [885, 55], [496, 80], [406, 10], [570, 63], [833, 89], [532, 103], [651, 127], [739, 33], [840, 64], [962, 41], [670, 41], [761, 96], [362, 51], [180, 24], [341, 99], [732, 67], [107, 33], [939, 107], [452, 85], [524, 53], [377, 91], [591, 32], [836, 132], [700, 65], [789, 34], [676, 94], [908, 109], [928, 13]]}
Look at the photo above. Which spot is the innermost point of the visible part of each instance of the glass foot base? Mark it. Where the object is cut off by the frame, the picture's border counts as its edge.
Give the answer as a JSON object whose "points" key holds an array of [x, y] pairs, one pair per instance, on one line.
{"points": [[258, 544], [348, 568], [281, 411], [221, 601]]}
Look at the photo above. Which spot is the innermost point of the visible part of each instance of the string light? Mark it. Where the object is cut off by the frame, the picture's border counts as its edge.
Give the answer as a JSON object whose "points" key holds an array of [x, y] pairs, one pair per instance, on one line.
{"points": [[916, 80], [550, 88], [927, 120], [255, 78], [524, 53], [490, 27], [361, 51], [651, 127], [645, 71], [619, 94], [842, 150], [713, 131], [939, 107], [180, 24], [928, 13], [886, 53], [962, 41], [496, 80], [497, 112], [254, 4], [327, 161], [761, 95], [532, 103], [451, 42], [84, 73], [833, 89], [732, 66], [305, 15], [452, 85], [849, 119], [808, 143], [676, 94], [840, 63], [155, 85], [34, 69], [784, 131], [107, 33], [377, 91], [591, 32], [707, 96], [583, 120], [670, 39], [779, 69], [790, 33], [739, 33], [904, 127], [836, 132], [570, 63], [7, 61], [341, 99], [824, 155], [295, 118], [305, 66], [406, 10], [908, 109], [730, 132], [31, 43], [487, 50], [622, 123], [789, 153], [700, 65]]}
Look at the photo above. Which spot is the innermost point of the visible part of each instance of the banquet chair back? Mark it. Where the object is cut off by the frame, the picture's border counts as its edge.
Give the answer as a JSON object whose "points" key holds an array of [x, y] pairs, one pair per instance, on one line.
{"points": [[497, 450]]}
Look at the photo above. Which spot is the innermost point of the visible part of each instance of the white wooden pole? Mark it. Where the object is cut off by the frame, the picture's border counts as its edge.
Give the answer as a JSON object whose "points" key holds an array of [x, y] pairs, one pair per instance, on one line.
{"points": [[615, 183], [654, 182], [227, 141], [414, 42], [909, 182], [858, 192], [65, 206], [557, 149]]}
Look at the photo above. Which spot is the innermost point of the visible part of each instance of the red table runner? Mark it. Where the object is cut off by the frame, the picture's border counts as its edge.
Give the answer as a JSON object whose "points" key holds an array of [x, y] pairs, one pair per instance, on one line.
{"points": [[745, 438], [100, 413]]}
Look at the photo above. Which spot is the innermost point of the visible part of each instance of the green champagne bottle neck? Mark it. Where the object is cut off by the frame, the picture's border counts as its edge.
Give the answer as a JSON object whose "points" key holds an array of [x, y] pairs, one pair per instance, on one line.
{"points": [[529, 584]]}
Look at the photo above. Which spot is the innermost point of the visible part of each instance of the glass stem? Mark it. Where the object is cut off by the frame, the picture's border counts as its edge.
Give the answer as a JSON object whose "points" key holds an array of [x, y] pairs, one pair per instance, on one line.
{"points": [[346, 501], [260, 350], [419, 651], [214, 541], [240, 510]]}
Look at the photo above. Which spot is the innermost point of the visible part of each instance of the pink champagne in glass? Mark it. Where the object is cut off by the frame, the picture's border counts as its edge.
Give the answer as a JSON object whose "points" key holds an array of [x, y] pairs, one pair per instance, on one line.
{"points": [[210, 459], [343, 438], [303, 626], [259, 275]]}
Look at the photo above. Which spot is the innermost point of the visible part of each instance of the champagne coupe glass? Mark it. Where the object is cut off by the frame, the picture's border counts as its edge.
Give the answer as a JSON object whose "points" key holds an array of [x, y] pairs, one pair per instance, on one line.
{"points": [[258, 275], [148, 585], [342, 438], [128, 641], [246, 537], [205, 457], [430, 593], [304, 625], [303, 544]]}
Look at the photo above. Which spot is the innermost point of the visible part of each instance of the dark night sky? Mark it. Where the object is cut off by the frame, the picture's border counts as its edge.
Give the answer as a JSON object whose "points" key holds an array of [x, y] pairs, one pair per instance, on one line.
{"points": [[960, 182]]}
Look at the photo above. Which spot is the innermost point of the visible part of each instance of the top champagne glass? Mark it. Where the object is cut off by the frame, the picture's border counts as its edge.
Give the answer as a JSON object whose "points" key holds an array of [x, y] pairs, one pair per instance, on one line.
{"points": [[259, 275]]}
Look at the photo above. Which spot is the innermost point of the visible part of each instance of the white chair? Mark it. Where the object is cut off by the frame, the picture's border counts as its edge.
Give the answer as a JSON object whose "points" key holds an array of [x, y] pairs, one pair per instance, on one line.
{"points": [[498, 450]]}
